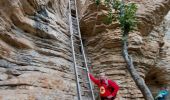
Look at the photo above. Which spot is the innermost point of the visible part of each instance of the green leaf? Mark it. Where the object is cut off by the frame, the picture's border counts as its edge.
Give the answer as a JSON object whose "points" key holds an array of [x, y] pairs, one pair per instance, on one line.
{"points": [[116, 5], [127, 20], [97, 2]]}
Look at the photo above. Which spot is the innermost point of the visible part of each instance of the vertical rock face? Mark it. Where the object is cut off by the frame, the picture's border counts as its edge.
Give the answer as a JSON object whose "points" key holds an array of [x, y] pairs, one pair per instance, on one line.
{"points": [[159, 76], [35, 52], [103, 43]]}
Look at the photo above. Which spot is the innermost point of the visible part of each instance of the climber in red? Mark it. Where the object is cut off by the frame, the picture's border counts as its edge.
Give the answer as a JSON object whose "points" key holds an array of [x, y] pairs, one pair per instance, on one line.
{"points": [[108, 88]]}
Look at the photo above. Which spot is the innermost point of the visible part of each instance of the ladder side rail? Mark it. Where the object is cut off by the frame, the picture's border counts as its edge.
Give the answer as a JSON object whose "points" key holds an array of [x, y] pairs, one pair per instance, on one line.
{"points": [[73, 53], [82, 48]]}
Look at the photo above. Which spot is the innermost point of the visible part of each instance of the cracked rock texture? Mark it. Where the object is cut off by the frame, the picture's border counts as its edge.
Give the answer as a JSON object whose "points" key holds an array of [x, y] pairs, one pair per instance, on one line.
{"points": [[146, 44], [35, 52], [36, 57]]}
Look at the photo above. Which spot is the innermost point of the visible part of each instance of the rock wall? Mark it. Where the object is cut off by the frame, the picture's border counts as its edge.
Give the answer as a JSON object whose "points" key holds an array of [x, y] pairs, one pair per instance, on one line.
{"points": [[35, 52], [103, 43], [159, 76]]}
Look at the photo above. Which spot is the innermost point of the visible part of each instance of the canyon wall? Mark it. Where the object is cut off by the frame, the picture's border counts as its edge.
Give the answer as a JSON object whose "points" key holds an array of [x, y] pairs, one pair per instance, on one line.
{"points": [[35, 52], [104, 47], [36, 58]]}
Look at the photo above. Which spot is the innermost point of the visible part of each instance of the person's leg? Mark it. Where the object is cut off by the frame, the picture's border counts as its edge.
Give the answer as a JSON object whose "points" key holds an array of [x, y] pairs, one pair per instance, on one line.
{"points": [[160, 98], [103, 98], [113, 98]]}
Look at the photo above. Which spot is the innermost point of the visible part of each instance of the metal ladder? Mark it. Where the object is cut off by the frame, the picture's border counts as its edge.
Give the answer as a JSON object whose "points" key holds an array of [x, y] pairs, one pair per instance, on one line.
{"points": [[84, 86]]}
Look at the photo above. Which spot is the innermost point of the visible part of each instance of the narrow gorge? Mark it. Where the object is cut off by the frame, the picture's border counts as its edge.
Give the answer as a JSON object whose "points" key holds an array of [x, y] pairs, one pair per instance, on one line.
{"points": [[36, 60]]}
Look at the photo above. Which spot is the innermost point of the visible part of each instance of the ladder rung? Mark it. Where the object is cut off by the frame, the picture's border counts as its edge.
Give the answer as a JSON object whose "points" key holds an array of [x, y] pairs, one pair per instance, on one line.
{"points": [[77, 44], [76, 38], [80, 59], [83, 81], [80, 63], [75, 24], [75, 29], [75, 32], [76, 35], [73, 17], [81, 67], [95, 91], [86, 90], [74, 20], [78, 55]]}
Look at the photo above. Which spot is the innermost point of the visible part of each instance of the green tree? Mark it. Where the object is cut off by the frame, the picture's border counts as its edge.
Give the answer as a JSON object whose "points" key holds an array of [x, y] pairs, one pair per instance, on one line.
{"points": [[126, 15]]}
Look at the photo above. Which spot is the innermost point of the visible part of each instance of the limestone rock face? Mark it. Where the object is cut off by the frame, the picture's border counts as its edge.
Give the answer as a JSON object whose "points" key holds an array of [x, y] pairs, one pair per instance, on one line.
{"points": [[160, 76], [36, 57], [103, 44], [35, 52]]}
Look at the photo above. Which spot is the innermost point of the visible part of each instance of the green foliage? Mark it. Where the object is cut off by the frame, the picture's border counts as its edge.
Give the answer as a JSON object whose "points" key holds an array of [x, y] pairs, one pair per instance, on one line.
{"points": [[116, 5], [126, 14], [97, 2], [107, 2], [128, 17]]}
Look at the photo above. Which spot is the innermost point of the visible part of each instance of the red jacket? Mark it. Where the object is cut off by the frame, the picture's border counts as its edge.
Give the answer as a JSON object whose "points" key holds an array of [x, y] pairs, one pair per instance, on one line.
{"points": [[107, 88]]}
